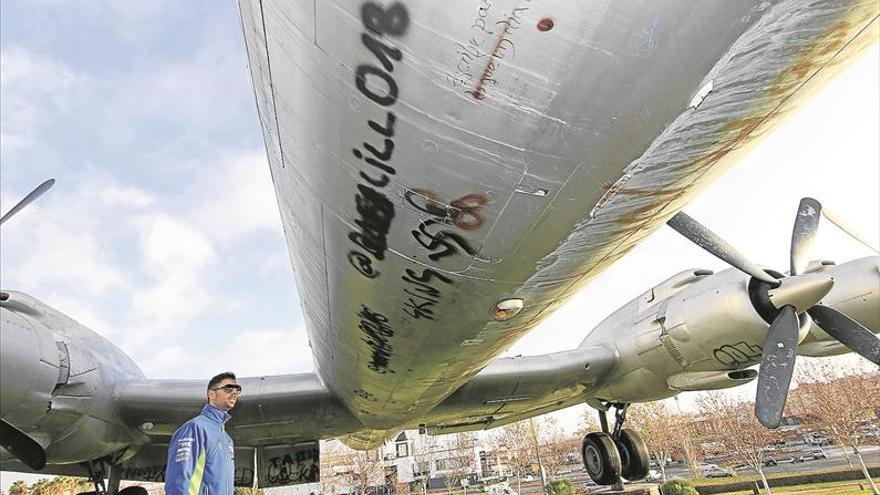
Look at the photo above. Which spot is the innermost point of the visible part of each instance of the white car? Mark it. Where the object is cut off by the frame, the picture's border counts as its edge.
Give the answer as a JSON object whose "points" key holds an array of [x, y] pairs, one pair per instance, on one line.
{"points": [[718, 472], [653, 475]]}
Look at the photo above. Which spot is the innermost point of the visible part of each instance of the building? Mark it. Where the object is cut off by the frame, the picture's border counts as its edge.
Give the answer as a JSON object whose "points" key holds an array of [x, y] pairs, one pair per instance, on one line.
{"points": [[410, 463]]}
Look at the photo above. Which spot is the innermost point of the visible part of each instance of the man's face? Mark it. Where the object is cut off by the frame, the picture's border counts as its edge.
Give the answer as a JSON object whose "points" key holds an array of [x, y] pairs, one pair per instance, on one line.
{"points": [[223, 395]]}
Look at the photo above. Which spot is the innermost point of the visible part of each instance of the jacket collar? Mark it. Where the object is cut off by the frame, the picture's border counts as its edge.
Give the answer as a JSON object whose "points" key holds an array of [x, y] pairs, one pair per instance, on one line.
{"points": [[216, 415]]}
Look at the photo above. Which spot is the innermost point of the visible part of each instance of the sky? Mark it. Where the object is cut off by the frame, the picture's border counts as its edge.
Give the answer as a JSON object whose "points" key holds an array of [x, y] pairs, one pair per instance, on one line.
{"points": [[162, 232]]}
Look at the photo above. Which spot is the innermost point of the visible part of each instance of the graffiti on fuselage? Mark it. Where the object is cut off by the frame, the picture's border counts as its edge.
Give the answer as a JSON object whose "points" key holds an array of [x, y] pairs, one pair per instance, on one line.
{"points": [[741, 353], [374, 81]]}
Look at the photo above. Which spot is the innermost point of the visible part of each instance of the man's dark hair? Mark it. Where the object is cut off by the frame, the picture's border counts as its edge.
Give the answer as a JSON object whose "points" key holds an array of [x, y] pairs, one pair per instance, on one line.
{"points": [[219, 378]]}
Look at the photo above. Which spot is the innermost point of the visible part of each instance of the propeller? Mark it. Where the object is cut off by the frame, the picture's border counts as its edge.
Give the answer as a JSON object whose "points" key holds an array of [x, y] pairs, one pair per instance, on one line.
{"points": [[30, 198], [33, 195], [781, 299]]}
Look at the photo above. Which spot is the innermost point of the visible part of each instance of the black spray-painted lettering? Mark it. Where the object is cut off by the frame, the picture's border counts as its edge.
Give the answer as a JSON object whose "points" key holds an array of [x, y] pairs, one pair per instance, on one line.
{"points": [[423, 295], [375, 210], [382, 51], [376, 213], [363, 394], [464, 213], [442, 243], [738, 354], [285, 470], [375, 326], [390, 92], [363, 264], [392, 21], [388, 130]]}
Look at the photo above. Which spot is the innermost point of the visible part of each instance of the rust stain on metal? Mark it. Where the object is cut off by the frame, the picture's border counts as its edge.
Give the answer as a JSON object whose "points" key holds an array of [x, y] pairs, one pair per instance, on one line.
{"points": [[811, 59], [742, 131]]}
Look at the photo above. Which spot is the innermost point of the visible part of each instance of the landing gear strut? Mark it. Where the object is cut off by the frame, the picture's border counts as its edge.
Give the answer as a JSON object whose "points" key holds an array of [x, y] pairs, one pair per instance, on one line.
{"points": [[101, 469], [620, 452]]}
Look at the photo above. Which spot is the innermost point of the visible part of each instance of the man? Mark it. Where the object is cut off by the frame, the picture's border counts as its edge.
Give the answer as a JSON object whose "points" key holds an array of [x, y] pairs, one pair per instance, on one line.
{"points": [[201, 458]]}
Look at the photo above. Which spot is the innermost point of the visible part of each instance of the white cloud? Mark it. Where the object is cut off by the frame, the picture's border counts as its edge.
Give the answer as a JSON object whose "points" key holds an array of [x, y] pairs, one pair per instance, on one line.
{"points": [[238, 197], [57, 253], [61, 244], [175, 253], [164, 361], [269, 352], [250, 353], [171, 245], [126, 196], [30, 86]]}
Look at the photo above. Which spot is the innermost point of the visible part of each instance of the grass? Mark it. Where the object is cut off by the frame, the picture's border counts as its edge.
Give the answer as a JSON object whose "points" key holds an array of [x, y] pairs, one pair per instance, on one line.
{"points": [[770, 477], [830, 488]]}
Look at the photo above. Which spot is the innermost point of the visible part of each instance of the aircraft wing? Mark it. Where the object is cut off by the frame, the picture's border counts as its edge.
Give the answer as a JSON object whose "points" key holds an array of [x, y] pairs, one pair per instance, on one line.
{"points": [[439, 163], [516, 388], [284, 416]]}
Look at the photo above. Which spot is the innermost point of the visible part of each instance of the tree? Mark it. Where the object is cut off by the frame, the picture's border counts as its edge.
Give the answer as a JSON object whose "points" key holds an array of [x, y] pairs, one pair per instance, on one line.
{"points": [[658, 426], [349, 471], [679, 487], [332, 479], [19, 487], [685, 428], [365, 470], [59, 485], [534, 446], [840, 400], [733, 425], [460, 460], [423, 453], [552, 445], [514, 439], [589, 422], [561, 487]]}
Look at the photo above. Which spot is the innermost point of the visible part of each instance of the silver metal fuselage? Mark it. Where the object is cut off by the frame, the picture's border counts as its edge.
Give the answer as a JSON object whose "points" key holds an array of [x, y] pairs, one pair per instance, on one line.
{"points": [[433, 159]]}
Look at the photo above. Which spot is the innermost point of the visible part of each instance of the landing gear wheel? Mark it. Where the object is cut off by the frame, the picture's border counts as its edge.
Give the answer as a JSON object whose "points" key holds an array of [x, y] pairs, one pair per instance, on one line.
{"points": [[634, 458], [601, 458], [134, 490]]}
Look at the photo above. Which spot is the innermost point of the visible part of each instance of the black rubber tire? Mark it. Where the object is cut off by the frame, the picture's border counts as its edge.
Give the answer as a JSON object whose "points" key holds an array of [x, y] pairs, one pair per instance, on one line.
{"points": [[601, 459], [635, 461], [133, 490]]}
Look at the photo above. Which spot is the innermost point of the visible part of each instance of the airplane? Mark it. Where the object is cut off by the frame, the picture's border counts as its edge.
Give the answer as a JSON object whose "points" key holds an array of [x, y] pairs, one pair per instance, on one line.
{"points": [[444, 185]]}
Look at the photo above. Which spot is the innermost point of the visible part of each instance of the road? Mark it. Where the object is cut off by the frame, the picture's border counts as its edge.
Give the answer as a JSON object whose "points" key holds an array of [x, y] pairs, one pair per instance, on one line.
{"points": [[836, 459]]}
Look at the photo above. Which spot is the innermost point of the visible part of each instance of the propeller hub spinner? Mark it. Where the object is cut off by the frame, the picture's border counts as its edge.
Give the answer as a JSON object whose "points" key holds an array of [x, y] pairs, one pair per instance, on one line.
{"points": [[801, 291]]}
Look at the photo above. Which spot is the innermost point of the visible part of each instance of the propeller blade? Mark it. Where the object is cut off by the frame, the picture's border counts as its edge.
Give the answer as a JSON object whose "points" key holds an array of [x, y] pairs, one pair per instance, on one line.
{"points": [[25, 448], [708, 240], [855, 234], [847, 331], [777, 366], [36, 193], [806, 224]]}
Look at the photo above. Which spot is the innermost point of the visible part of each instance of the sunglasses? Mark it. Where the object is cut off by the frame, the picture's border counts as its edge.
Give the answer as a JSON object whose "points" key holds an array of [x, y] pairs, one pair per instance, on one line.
{"points": [[228, 388]]}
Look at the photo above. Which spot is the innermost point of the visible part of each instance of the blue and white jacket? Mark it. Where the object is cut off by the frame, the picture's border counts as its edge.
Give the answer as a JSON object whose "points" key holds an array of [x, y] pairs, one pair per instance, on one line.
{"points": [[201, 457]]}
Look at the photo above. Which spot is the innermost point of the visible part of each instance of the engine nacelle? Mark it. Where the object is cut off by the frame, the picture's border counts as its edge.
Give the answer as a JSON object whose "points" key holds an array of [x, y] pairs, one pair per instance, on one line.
{"points": [[690, 331], [30, 368], [710, 380], [58, 378]]}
